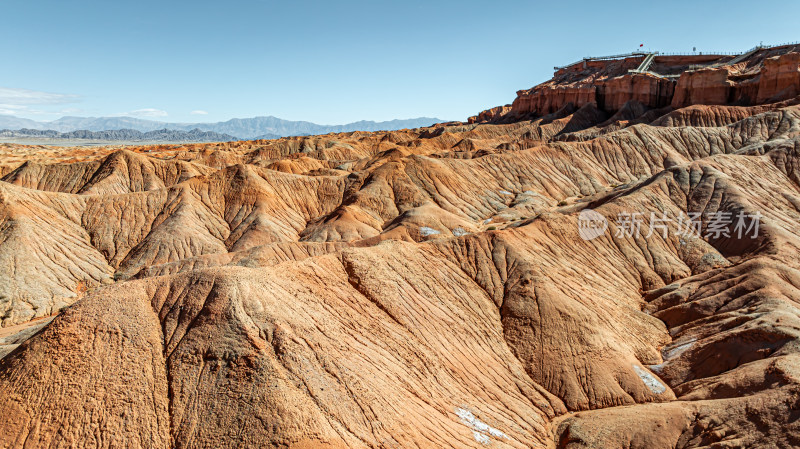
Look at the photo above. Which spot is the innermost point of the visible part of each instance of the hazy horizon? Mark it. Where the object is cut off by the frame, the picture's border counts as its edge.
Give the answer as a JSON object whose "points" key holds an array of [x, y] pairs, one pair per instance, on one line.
{"points": [[200, 121]]}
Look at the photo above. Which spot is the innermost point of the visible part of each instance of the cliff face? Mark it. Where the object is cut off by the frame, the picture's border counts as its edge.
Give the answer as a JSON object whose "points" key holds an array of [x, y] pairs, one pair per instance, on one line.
{"points": [[549, 99], [773, 78], [709, 86], [489, 113], [647, 89], [608, 95], [764, 76], [780, 78]]}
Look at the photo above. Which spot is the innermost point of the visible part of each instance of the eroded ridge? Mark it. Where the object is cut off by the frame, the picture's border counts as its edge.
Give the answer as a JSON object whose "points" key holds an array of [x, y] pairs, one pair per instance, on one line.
{"points": [[417, 288]]}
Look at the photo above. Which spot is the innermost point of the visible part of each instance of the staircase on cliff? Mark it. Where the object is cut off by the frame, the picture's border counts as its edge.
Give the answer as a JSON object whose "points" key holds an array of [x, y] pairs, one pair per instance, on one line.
{"points": [[646, 63], [733, 61], [745, 55]]}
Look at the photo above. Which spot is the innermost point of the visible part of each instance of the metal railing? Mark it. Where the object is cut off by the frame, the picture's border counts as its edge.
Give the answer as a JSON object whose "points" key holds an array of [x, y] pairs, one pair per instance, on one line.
{"points": [[619, 56], [741, 57], [604, 58], [702, 53], [779, 45], [657, 53]]}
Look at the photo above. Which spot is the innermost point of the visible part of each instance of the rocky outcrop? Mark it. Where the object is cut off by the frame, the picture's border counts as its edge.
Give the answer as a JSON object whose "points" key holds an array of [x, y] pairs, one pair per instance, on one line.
{"points": [[706, 86], [649, 90], [765, 76], [780, 78], [777, 79], [608, 95], [489, 114]]}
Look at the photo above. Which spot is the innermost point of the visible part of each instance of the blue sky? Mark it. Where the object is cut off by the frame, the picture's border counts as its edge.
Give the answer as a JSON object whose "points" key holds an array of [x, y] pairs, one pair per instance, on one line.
{"points": [[334, 62]]}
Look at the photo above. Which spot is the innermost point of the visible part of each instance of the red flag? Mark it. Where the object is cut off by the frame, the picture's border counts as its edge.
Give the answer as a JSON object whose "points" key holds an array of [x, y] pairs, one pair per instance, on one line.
{"points": [[641, 45]]}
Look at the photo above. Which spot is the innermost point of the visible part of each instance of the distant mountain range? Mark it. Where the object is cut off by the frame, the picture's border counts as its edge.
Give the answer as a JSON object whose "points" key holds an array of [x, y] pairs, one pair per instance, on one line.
{"points": [[247, 128], [130, 135]]}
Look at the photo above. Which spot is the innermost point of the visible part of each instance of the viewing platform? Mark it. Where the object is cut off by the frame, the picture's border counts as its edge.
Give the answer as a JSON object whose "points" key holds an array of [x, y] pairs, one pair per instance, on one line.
{"points": [[694, 60]]}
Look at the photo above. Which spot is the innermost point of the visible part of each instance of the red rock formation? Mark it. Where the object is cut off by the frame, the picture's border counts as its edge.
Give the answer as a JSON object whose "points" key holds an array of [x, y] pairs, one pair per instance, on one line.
{"points": [[543, 100], [780, 78], [649, 90], [490, 114], [707, 86], [767, 75]]}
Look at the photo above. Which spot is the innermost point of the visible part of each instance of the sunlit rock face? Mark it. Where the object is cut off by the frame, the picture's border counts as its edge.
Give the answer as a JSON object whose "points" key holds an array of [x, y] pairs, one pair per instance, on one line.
{"points": [[765, 75]]}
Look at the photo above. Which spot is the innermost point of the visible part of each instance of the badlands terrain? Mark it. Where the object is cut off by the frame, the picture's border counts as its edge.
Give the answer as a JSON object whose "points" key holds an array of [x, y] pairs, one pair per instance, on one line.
{"points": [[425, 288]]}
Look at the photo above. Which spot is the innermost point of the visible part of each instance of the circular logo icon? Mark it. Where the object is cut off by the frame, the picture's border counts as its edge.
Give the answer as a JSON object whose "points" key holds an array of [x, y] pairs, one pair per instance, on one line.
{"points": [[591, 224]]}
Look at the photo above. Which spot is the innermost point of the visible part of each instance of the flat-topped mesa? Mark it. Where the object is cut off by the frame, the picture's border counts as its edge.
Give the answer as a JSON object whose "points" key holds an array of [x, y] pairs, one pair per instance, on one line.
{"points": [[758, 76]]}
